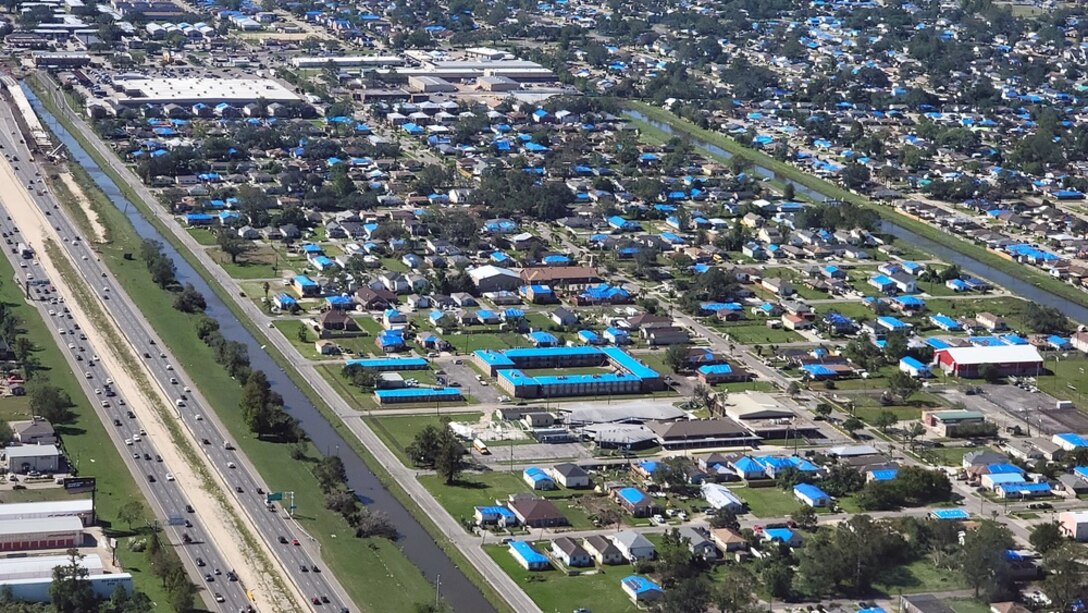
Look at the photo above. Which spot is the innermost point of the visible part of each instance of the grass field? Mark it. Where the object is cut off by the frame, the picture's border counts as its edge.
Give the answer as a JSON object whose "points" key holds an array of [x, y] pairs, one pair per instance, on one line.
{"points": [[554, 591], [746, 386], [467, 343], [918, 576], [260, 263], [397, 431], [759, 334], [475, 489], [766, 502], [946, 456]]}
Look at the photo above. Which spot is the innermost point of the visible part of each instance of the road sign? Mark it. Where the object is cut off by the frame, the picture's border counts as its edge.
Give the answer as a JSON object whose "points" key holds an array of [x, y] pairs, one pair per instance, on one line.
{"points": [[273, 496], [75, 485]]}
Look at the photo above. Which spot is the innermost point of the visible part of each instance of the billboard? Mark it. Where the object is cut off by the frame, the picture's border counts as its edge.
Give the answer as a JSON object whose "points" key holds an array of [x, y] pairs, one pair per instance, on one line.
{"points": [[76, 485]]}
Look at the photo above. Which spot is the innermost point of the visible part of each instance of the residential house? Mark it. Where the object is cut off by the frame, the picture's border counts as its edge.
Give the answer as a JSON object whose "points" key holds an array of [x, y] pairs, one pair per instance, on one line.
{"points": [[537, 513], [570, 476], [699, 542], [568, 551], [634, 546], [603, 550], [728, 540]]}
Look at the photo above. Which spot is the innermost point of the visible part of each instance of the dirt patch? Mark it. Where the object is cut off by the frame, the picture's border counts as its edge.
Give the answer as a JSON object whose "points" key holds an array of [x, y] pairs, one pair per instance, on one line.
{"points": [[84, 203]]}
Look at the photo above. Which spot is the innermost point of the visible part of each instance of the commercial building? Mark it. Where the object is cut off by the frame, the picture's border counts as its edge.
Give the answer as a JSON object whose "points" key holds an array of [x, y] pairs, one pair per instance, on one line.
{"points": [[81, 508], [945, 423], [24, 459], [695, 433], [139, 90], [418, 395], [633, 377], [46, 533], [1005, 360], [1074, 524], [29, 578]]}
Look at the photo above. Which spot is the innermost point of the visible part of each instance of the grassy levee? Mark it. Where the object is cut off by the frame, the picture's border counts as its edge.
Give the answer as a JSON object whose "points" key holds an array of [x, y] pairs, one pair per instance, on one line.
{"points": [[784, 170], [85, 440], [373, 590]]}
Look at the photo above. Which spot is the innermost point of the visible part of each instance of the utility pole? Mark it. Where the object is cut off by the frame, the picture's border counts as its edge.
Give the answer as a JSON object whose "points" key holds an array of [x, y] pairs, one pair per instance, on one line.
{"points": [[437, 590]]}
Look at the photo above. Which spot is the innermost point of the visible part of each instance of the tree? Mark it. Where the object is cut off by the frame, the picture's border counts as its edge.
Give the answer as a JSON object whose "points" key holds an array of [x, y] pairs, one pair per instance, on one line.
{"points": [[675, 561], [131, 512], [877, 496], [982, 560], [734, 592], [788, 191], [854, 175], [189, 300], [804, 517], [990, 373], [232, 244], [852, 425], [916, 429], [50, 402], [823, 410], [848, 558], [690, 595], [450, 459], [1066, 576], [1045, 537], [423, 450], [902, 385], [70, 590], [885, 420], [330, 472], [676, 357], [723, 518], [256, 403]]}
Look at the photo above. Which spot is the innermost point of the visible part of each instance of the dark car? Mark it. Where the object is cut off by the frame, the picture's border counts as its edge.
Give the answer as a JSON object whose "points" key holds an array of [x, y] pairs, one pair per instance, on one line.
{"points": [[117, 422], [200, 562], [304, 568], [283, 540]]}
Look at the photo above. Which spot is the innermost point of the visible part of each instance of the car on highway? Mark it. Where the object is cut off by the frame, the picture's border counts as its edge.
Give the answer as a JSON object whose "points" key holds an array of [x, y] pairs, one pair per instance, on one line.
{"points": [[188, 508], [117, 422], [295, 542], [169, 476], [283, 540], [200, 562], [128, 441], [238, 488], [208, 578], [219, 597], [304, 568], [151, 478]]}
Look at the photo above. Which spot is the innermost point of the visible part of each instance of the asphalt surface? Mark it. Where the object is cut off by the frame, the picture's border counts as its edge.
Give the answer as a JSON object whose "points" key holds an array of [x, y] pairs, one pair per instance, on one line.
{"points": [[201, 422], [200, 557]]}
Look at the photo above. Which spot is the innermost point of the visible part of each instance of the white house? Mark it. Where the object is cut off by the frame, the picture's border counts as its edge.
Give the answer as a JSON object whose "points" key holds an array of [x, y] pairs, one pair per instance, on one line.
{"points": [[720, 497], [570, 475]]}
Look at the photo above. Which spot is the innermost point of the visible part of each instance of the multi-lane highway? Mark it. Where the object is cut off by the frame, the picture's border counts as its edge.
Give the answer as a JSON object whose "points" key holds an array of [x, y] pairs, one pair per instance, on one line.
{"points": [[152, 474], [294, 550]]}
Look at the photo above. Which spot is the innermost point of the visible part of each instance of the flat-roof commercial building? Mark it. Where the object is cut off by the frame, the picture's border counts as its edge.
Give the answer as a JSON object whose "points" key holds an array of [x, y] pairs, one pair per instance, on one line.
{"points": [[24, 459], [633, 377], [139, 90], [421, 395], [29, 578], [33, 567], [348, 61], [78, 507], [47, 533], [945, 423]]}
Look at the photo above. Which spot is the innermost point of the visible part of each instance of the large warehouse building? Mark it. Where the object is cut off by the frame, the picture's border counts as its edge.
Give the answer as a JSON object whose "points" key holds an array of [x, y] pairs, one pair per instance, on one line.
{"points": [[47, 533], [83, 508], [1007, 360], [29, 578]]}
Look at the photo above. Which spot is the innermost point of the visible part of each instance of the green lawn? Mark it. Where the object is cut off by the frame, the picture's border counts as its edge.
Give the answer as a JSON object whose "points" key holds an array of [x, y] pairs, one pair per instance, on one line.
{"points": [[554, 591], [759, 334], [473, 490], [203, 236], [1068, 380], [262, 263], [919, 576], [747, 386], [367, 568], [946, 456], [968, 606], [768, 502], [290, 327], [397, 431], [467, 343]]}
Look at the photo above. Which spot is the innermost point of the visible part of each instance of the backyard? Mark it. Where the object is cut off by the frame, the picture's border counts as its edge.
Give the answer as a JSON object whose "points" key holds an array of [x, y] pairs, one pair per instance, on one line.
{"points": [[476, 489], [553, 590]]}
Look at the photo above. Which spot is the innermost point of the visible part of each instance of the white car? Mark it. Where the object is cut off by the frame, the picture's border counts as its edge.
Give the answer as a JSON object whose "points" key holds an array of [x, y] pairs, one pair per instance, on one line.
{"points": [[128, 442], [198, 417], [136, 437], [231, 465], [169, 476]]}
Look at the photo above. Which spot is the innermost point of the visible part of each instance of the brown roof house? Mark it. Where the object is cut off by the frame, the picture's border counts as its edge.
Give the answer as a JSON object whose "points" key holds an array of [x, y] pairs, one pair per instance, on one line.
{"points": [[537, 512], [336, 321], [603, 550]]}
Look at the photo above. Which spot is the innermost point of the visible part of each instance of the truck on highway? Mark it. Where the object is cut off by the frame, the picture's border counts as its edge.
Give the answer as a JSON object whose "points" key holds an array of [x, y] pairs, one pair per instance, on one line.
{"points": [[25, 251]]}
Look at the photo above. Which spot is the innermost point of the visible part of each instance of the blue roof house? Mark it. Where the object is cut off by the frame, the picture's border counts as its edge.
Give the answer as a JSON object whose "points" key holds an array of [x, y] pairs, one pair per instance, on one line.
{"points": [[528, 556], [811, 495], [495, 515], [913, 367], [640, 589], [541, 338], [537, 479]]}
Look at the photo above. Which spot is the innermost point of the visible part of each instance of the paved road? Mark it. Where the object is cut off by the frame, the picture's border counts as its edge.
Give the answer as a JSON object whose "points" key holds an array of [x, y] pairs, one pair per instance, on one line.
{"points": [[233, 467], [201, 557]]}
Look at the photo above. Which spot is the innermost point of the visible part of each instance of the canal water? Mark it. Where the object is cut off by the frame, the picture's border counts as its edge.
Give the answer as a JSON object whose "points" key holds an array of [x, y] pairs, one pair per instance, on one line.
{"points": [[417, 544], [967, 263]]}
